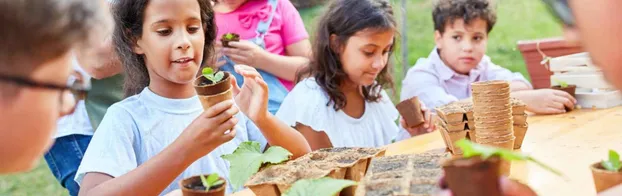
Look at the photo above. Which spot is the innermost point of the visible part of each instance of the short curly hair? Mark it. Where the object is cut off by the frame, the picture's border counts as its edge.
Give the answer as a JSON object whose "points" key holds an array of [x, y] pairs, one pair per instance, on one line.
{"points": [[447, 11]]}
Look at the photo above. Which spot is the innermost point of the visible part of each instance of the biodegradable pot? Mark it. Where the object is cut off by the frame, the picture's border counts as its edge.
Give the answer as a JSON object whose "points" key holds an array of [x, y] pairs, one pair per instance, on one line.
{"points": [[225, 41], [552, 47], [211, 94], [570, 89], [410, 109], [473, 176], [519, 132], [192, 187], [604, 179]]}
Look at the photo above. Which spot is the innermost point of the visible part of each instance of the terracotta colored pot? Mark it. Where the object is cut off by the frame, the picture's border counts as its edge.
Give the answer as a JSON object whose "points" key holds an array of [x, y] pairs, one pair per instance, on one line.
{"points": [[211, 94], [187, 183], [552, 47], [410, 110], [473, 176], [604, 179]]}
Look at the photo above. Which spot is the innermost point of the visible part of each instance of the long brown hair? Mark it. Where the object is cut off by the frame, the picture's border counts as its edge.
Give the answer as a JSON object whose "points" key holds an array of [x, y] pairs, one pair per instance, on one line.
{"points": [[344, 18], [129, 17]]}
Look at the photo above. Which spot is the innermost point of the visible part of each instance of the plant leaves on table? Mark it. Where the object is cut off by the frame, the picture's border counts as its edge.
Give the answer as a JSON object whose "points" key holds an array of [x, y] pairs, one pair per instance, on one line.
{"points": [[315, 187], [470, 149], [247, 159], [613, 164]]}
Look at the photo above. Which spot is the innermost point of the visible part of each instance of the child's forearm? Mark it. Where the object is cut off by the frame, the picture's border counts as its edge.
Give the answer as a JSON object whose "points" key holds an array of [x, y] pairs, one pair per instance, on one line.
{"points": [[519, 86], [151, 177], [280, 134], [284, 67]]}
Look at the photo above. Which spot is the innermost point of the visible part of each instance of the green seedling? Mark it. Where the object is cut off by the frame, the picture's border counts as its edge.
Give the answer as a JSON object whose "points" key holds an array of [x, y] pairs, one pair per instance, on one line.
{"points": [[471, 149], [561, 83], [247, 159], [613, 164], [321, 186], [211, 181], [209, 74]]}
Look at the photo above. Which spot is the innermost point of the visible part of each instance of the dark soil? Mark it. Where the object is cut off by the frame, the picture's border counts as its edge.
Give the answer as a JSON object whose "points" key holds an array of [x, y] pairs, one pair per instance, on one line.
{"points": [[377, 167], [383, 188], [423, 189], [198, 186]]}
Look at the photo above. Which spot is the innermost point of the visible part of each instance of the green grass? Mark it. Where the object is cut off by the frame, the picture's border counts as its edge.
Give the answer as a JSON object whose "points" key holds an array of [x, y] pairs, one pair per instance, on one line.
{"points": [[39, 181], [517, 20]]}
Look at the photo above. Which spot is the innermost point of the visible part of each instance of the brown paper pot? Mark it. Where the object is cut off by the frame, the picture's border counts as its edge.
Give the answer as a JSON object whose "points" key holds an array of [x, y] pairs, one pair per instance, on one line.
{"points": [[490, 97], [225, 41], [519, 133], [570, 89], [452, 137], [265, 190], [518, 110], [489, 85], [209, 101], [604, 179], [495, 139], [501, 125], [519, 119], [185, 185], [473, 176], [496, 136], [492, 108], [509, 144], [471, 135], [355, 173], [499, 119], [410, 110], [506, 90]]}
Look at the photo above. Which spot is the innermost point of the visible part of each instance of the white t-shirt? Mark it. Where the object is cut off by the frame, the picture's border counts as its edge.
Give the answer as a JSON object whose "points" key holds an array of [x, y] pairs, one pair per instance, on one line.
{"points": [[77, 123], [306, 104], [142, 125]]}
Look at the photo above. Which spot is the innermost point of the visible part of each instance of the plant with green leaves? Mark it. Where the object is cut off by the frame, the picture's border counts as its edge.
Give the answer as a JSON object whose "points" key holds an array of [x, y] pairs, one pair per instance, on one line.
{"points": [[247, 159], [211, 181], [613, 164], [470, 149], [561, 83], [209, 74], [321, 186], [229, 36]]}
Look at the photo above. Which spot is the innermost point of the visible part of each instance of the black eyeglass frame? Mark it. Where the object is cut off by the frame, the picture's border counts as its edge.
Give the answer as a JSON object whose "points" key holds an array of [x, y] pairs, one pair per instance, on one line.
{"points": [[79, 91], [562, 11]]}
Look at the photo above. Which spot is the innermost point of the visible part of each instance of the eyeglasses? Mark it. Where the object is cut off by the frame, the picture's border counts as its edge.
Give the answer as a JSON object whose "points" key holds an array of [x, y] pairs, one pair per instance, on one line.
{"points": [[77, 87], [562, 11]]}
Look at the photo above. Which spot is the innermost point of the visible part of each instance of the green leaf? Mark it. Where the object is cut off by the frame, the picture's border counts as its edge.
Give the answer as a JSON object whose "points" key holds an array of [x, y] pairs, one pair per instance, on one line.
{"points": [[470, 149], [247, 159], [613, 164], [219, 182], [561, 83], [208, 71], [218, 77], [212, 178], [205, 183], [229, 36], [322, 186]]}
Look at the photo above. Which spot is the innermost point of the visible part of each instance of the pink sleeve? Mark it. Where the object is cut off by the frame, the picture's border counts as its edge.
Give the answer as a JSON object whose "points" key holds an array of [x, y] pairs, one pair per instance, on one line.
{"points": [[293, 29]]}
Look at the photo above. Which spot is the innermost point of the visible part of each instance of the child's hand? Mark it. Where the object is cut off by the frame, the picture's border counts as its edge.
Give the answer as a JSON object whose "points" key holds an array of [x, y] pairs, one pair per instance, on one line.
{"points": [[252, 98], [210, 129], [547, 101], [244, 52], [427, 126], [216, 61]]}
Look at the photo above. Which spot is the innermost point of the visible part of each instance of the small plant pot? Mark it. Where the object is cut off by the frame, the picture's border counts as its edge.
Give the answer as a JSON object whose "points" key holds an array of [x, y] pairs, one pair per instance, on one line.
{"points": [[570, 89], [410, 110], [604, 179], [225, 41], [192, 187], [519, 132], [473, 176], [212, 94]]}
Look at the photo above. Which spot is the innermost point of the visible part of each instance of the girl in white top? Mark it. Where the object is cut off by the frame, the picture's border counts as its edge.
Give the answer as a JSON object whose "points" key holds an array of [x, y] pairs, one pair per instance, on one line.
{"points": [[342, 103], [160, 134]]}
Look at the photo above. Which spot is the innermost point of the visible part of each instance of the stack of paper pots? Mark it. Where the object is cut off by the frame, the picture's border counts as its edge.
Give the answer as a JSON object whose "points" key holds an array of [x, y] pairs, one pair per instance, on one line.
{"points": [[493, 116]]}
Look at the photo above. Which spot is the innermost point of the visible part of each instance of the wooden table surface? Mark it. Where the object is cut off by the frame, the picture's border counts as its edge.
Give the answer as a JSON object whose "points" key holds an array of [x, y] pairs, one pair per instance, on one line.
{"points": [[568, 142]]}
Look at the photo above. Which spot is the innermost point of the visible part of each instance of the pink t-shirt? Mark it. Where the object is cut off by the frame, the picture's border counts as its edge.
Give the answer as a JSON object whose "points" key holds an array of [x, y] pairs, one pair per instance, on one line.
{"points": [[286, 27]]}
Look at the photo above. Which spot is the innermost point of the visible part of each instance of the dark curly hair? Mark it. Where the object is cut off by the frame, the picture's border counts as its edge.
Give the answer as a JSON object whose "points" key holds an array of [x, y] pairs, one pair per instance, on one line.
{"points": [[344, 18], [447, 11], [129, 17]]}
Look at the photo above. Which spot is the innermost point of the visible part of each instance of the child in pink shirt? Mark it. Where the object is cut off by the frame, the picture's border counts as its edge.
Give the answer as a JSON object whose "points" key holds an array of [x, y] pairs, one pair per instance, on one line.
{"points": [[461, 36], [272, 40]]}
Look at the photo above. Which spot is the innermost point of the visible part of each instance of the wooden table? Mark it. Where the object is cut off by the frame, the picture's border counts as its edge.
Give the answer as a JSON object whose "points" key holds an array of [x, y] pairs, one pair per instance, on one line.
{"points": [[568, 142]]}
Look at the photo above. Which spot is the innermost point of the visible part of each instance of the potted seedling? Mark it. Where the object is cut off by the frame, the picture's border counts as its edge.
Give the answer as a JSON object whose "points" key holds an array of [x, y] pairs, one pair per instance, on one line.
{"points": [[213, 87], [563, 86], [410, 110], [480, 167], [607, 173], [212, 185], [229, 37]]}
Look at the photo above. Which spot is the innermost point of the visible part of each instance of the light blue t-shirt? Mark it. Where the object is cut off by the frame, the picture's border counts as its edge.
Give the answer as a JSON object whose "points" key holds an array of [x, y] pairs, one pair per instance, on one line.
{"points": [[141, 126]]}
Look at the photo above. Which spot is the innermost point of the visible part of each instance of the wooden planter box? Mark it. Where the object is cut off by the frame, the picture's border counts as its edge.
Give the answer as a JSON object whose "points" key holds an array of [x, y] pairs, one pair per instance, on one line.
{"points": [[552, 47]]}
